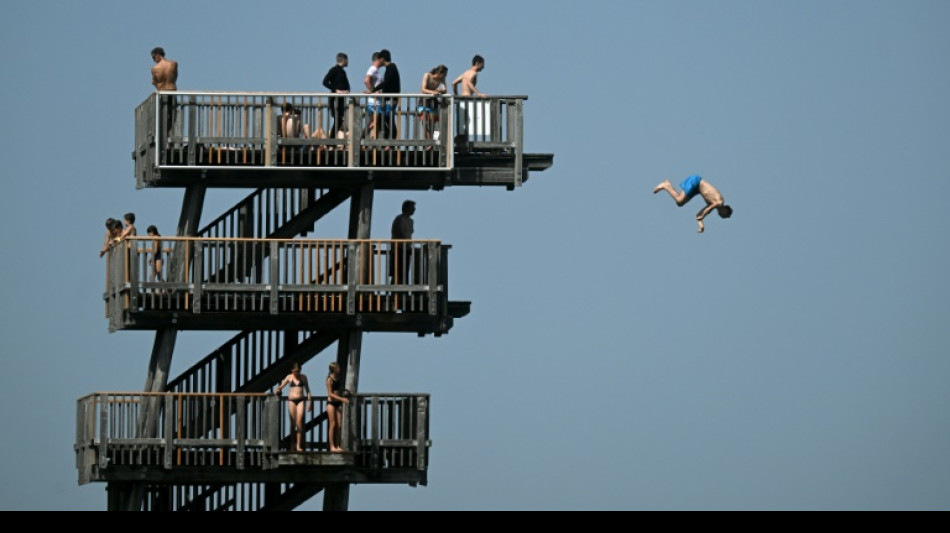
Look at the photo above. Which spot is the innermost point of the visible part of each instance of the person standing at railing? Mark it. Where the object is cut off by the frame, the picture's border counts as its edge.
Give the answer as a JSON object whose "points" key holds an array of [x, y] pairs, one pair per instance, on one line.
{"points": [[295, 401], [110, 236], [337, 82], [470, 113], [129, 230], [156, 260], [372, 81], [692, 186], [337, 396], [165, 78], [400, 255], [469, 79], [432, 83], [391, 85]]}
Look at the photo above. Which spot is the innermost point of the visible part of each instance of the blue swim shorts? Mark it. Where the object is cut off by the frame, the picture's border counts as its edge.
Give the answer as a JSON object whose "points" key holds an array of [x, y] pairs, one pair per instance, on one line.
{"points": [[690, 186]]}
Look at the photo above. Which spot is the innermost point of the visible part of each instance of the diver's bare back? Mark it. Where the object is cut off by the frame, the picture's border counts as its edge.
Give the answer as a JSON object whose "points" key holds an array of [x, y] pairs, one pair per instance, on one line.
{"points": [[165, 75]]}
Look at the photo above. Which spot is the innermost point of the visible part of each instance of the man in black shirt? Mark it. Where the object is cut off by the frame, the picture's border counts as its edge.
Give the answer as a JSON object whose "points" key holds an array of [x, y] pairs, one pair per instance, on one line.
{"points": [[391, 85], [400, 254], [338, 83]]}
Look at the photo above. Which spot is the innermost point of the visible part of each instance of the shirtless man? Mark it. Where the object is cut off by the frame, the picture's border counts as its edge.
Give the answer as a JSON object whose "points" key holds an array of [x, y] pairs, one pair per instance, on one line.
{"points": [[165, 78], [692, 186], [165, 71], [469, 79]]}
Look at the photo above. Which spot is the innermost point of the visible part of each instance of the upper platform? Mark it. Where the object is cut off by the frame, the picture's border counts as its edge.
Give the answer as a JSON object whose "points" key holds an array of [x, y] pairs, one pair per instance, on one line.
{"points": [[405, 142]]}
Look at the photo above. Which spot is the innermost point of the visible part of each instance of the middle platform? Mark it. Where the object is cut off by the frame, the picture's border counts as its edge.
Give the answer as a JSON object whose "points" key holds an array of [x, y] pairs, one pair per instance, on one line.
{"points": [[225, 284]]}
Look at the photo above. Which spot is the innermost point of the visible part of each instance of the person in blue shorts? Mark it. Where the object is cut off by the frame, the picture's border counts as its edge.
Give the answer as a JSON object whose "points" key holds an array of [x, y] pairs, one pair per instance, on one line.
{"points": [[692, 186]]}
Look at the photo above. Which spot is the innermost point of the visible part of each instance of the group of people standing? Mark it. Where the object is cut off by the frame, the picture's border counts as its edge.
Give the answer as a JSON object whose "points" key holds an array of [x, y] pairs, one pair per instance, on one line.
{"points": [[118, 230], [300, 401], [383, 78]]}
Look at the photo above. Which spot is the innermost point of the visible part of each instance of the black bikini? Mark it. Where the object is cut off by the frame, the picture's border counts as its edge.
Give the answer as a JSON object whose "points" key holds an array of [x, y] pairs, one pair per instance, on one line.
{"points": [[296, 385]]}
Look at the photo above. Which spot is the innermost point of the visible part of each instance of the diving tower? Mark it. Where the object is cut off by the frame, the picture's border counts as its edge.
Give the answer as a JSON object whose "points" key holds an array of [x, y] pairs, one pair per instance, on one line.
{"points": [[215, 437]]}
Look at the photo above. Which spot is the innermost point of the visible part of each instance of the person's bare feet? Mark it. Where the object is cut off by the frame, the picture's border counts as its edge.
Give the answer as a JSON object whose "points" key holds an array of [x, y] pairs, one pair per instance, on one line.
{"points": [[661, 186], [702, 226]]}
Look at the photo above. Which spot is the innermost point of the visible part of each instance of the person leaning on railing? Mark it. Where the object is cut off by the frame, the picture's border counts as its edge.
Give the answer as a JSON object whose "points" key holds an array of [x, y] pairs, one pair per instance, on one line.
{"points": [[110, 236], [433, 83], [113, 235], [295, 402]]}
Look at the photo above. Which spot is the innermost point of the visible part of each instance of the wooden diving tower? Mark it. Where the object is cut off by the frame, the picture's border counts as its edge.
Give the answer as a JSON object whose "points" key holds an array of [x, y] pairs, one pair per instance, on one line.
{"points": [[214, 438]]}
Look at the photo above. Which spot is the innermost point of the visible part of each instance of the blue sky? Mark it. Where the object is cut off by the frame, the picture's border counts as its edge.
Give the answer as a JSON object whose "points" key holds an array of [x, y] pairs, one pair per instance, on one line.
{"points": [[793, 357]]}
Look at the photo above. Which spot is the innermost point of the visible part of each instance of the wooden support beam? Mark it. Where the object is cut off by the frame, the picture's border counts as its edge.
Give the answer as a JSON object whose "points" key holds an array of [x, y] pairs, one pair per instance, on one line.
{"points": [[156, 381], [336, 498]]}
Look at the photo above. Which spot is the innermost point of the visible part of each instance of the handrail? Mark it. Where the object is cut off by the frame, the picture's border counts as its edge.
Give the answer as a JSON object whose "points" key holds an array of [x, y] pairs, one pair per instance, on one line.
{"points": [[275, 276], [243, 431], [278, 94], [182, 130], [295, 241]]}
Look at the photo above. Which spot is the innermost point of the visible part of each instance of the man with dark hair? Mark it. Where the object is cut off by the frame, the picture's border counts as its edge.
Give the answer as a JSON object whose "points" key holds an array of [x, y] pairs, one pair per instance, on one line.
{"points": [[165, 71], [165, 78], [391, 85], [400, 255], [692, 186], [338, 83], [469, 79]]}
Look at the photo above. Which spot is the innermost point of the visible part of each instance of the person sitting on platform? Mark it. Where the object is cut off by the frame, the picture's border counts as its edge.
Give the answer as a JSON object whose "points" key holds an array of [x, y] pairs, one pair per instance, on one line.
{"points": [[337, 395], [295, 402], [155, 261], [110, 237], [692, 186], [432, 83], [290, 124]]}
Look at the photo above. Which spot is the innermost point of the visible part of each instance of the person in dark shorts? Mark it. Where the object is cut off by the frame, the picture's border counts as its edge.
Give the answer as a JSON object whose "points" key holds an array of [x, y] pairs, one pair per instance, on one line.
{"points": [[692, 186]]}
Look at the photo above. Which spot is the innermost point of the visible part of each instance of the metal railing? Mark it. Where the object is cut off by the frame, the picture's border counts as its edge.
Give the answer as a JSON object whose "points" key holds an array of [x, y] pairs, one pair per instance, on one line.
{"points": [[276, 276], [181, 130], [389, 431]]}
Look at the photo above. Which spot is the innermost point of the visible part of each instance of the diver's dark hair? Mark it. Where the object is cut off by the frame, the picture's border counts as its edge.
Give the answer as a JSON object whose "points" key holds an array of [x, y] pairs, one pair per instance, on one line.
{"points": [[725, 211], [478, 59]]}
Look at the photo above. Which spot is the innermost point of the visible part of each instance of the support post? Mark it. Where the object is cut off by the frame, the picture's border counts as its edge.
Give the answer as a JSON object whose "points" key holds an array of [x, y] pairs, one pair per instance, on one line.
{"points": [[164, 347], [336, 498]]}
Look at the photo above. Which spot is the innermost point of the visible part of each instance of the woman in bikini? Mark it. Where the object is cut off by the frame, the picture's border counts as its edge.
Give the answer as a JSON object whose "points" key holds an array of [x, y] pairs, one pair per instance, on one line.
{"points": [[295, 402], [337, 397], [433, 83]]}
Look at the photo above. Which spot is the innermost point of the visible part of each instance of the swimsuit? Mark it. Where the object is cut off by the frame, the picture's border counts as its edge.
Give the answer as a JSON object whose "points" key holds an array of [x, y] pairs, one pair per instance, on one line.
{"points": [[690, 186], [338, 390], [296, 385]]}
